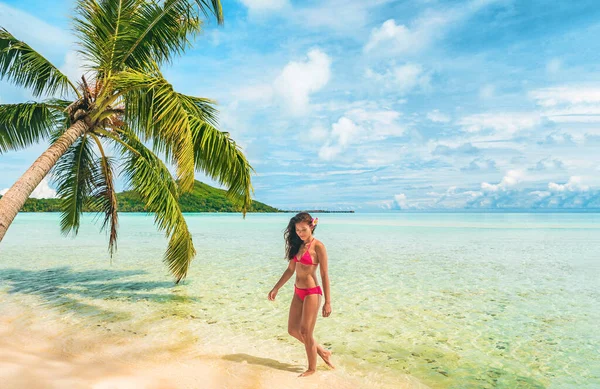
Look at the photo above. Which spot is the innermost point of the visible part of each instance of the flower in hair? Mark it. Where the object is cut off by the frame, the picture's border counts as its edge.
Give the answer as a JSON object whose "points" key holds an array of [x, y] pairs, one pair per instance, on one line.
{"points": [[315, 221]]}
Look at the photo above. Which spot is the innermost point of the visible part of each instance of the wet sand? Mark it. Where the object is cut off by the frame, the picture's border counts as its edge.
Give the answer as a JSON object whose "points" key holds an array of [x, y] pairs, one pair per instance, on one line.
{"points": [[49, 352]]}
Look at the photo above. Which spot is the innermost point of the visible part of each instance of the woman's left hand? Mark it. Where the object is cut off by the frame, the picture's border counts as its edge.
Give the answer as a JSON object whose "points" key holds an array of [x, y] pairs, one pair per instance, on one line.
{"points": [[326, 309]]}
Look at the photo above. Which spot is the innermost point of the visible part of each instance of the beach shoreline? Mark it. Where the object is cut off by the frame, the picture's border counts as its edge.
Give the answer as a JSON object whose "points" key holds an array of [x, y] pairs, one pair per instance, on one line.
{"points": [[47, 351]]}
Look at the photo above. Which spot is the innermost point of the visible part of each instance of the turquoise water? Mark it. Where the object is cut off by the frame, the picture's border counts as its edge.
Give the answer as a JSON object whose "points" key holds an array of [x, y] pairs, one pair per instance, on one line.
{"points": [[455, 300]]}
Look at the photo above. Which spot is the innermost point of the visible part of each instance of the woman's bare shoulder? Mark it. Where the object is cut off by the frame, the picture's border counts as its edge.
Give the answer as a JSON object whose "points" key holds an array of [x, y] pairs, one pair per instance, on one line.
{"points": [[319, 244]]}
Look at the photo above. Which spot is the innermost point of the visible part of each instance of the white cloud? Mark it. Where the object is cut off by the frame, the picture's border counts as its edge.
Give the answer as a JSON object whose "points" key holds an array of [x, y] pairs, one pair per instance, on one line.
{"points": [[294, 84], [512, 178], [403, 78], [394, 39], [329, 152], [359, 125], [569, 103], [549, 164], [501, 123], [299, 79], [573, 185], [480, 164], [438, 117], [551, 97], [318, 133], [400, 201], [347, 16], [42, 191], [258, 6], [344, 131], [399, 36]]}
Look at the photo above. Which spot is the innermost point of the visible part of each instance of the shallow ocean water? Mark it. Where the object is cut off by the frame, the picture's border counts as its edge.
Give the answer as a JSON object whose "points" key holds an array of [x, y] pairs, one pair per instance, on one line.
{"points": [[457, 300]]}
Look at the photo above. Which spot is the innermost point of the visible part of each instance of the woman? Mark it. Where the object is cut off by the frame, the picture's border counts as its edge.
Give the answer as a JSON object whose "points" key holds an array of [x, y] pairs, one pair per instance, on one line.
{"points": [[305, 254]]}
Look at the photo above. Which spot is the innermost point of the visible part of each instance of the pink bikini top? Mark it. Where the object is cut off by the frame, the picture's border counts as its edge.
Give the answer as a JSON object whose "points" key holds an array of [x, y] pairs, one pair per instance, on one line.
{"points": [[306, 258]]}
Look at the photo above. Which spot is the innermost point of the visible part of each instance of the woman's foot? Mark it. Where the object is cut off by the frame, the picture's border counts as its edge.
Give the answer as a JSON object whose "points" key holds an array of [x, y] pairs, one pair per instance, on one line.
{"points": [[307, 373], [326, 356]]}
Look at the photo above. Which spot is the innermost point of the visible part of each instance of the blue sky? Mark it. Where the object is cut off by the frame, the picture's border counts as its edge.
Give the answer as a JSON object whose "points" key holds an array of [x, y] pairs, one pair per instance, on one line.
{"points": [[384, 105]]}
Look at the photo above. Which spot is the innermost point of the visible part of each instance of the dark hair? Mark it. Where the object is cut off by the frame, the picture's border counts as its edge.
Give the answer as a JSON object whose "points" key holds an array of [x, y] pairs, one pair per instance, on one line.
{"points": [[292, 240]]}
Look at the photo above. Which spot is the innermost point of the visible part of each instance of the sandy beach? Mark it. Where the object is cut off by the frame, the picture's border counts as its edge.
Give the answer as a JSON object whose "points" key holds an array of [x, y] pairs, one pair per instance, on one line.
{"points": [[48, 352]]}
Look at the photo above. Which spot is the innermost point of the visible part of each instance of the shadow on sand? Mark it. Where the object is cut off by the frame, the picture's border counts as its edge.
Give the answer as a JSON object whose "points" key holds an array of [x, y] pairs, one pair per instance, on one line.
{"points": [[263, 362], [61, 287]]}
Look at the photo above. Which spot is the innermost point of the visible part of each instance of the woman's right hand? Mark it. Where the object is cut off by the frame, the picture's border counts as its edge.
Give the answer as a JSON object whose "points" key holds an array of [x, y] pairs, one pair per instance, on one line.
{"points": [[272, 294]]}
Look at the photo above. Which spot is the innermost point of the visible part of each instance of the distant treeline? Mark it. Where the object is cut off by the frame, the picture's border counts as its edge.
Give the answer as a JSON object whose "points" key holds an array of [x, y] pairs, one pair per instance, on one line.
{"points": [[319, 211], [203, 198]]}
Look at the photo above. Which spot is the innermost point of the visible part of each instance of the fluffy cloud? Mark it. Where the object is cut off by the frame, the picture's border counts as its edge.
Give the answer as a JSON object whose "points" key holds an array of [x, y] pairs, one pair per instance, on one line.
{"points": [[552, 97], [572, 194], [556, 138], [569, 103], [294, 84], [573, 185], [512, 178], [466, 148], [548, 164], [42, 191], [403, 78], [396, 39], [480, 164], [358, 126], [400, 201], [299, 79], [500, 123]]}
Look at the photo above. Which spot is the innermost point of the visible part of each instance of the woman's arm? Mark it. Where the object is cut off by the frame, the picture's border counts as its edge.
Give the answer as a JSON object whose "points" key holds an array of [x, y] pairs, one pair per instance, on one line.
{"points": [[284, 278], [324, 267]]}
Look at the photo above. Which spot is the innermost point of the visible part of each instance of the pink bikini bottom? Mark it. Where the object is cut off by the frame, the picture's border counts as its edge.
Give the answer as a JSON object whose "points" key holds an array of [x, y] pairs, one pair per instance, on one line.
{"points": [[302, 293]]}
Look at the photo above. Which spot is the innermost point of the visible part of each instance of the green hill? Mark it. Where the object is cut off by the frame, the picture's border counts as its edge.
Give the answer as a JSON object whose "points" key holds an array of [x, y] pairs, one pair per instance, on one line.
{"points": [[203, 198]]}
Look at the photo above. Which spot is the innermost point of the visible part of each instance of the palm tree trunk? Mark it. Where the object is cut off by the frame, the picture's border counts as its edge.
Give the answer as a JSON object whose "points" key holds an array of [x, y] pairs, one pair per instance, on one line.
{"points": [[13, 200]]}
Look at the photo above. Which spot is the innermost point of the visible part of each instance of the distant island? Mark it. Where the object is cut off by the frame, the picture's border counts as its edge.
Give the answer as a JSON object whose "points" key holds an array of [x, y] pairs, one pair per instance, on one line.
{"points": [[203, 198], [318, 211]]}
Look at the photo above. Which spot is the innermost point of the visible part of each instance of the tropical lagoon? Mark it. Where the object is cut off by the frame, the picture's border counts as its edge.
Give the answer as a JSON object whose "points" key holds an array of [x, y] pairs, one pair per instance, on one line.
{"points": [[439, 300]]}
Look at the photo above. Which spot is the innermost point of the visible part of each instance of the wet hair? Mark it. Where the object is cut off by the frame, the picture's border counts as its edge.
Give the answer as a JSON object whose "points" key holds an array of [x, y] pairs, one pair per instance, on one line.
{"points": [[292, 240]]}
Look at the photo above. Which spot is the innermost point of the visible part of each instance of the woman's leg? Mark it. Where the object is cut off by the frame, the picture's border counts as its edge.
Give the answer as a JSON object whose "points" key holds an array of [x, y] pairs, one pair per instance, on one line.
{"points": [[294, 323], [295, 317], [310, 309]]}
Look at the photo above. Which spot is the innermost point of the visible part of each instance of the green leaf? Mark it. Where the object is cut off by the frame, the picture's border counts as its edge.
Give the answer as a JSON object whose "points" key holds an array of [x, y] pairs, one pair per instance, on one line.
{"points": [[104, 28], [155, 111], [74, 176], [103, 197], [22, 125], [23, 66], [162, 30], [151, 179], [223, 160]]}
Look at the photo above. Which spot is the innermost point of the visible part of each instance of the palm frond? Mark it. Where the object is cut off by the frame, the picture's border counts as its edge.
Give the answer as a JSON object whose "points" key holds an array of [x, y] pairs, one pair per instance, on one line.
{"points": [[151, 179], [22, 125], [163, 29], [222, 159], [103, 197], [155, 111], [74, 176], [101, 26], [23, 66]]}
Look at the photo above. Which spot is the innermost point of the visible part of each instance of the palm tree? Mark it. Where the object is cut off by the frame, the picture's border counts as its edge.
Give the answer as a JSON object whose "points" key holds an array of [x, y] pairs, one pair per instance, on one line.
{"points": [[122, 101]]}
